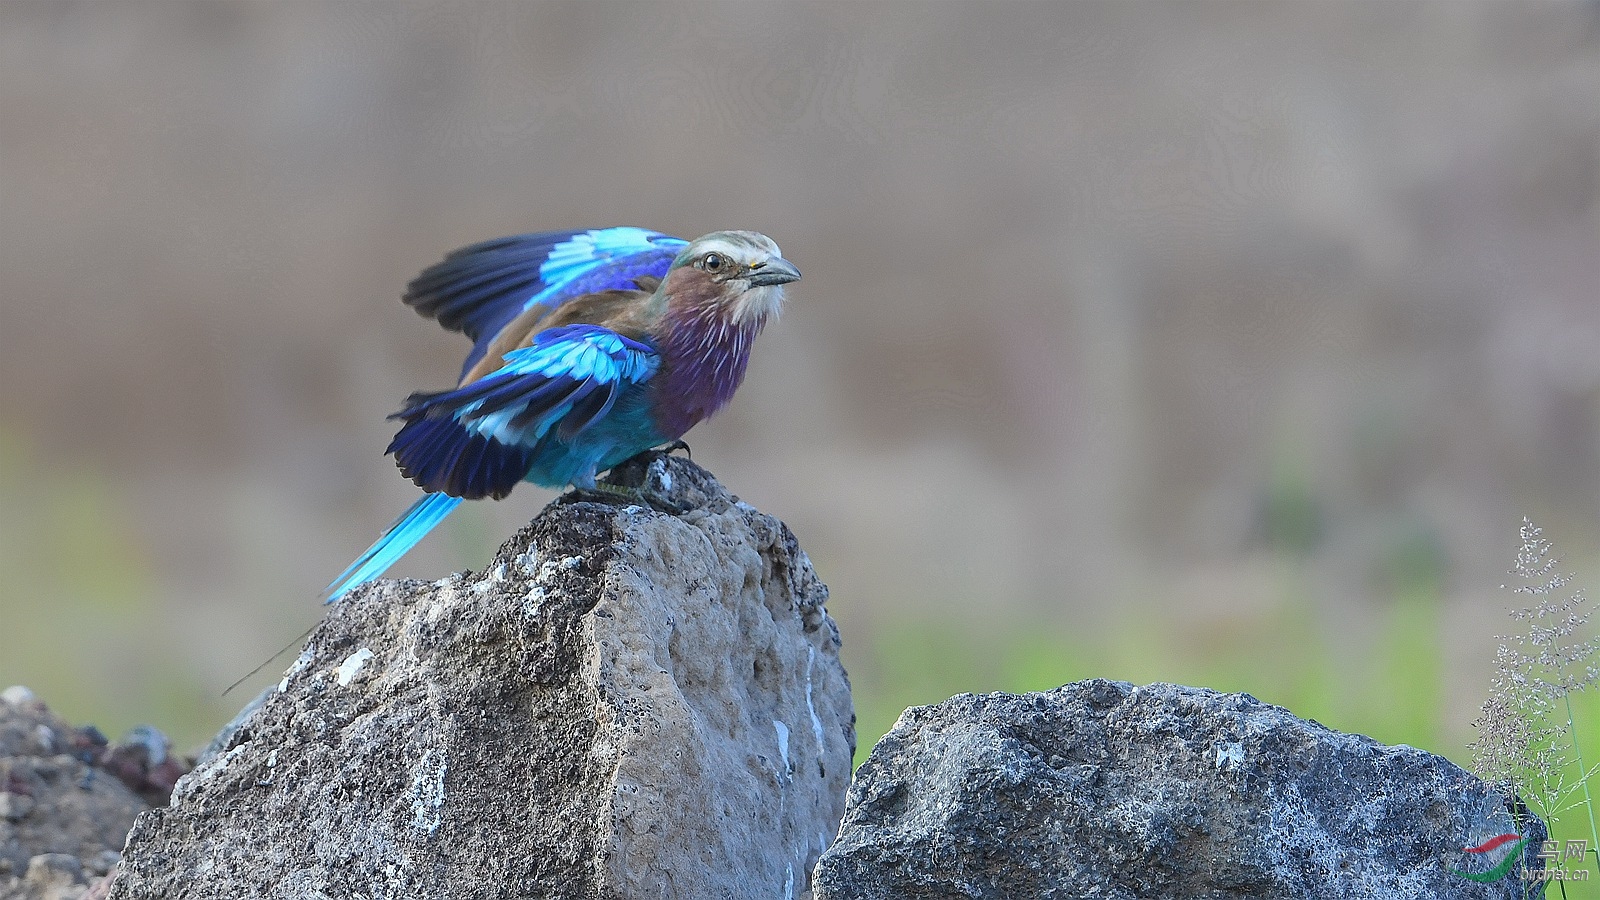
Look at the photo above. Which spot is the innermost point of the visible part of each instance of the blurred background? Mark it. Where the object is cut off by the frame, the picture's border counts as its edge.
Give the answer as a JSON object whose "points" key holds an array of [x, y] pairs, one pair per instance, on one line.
{"points": [[1219, 343]]}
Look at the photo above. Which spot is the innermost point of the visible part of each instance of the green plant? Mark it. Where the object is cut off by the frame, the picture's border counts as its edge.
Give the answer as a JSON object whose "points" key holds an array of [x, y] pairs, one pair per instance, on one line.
{"points": [[1527, 728]]}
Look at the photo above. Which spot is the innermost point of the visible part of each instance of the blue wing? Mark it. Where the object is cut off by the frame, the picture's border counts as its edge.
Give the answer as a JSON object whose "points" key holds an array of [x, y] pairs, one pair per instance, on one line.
{"points": [[479, 440], [478, 289]]}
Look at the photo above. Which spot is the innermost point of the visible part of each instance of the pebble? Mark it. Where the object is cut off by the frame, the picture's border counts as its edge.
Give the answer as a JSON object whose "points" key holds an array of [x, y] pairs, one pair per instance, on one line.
{"points": [[15, 807], [52, 869], [17, 695], [104, 861]]}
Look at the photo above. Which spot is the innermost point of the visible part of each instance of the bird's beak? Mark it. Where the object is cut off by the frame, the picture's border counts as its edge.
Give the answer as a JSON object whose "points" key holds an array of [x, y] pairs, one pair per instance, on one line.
{"points": [[776, 270]]}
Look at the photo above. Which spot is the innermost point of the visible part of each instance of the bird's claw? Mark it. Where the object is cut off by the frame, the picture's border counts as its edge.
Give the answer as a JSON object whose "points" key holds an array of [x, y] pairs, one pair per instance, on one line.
{"points": [[677, 445]]}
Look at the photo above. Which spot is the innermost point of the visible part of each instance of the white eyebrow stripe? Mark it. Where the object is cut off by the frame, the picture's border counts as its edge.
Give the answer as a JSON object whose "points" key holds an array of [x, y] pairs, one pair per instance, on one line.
{"points": [[737, 247], [725, 247]]}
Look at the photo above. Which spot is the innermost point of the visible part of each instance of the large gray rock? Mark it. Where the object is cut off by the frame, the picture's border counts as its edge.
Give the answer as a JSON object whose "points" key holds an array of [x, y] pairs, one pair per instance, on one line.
{"points": [[1100, 789], [625, 704]]}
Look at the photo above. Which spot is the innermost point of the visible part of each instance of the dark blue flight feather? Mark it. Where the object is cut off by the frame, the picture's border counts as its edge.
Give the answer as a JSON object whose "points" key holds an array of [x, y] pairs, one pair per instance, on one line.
{"points": [[478, 440]]}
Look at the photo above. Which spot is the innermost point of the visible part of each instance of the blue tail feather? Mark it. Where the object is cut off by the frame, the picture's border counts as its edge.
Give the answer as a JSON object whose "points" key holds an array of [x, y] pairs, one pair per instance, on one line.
{"points": [[400, 537]]}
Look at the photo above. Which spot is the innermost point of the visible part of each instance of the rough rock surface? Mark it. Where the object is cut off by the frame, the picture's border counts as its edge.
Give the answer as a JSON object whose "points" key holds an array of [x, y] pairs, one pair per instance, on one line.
{"points": [[1101, 789], [626, 703], [63, 816]]}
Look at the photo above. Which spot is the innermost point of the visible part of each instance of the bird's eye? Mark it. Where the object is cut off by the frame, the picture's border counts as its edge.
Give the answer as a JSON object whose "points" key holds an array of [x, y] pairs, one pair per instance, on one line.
{"points": [[713, 262]]}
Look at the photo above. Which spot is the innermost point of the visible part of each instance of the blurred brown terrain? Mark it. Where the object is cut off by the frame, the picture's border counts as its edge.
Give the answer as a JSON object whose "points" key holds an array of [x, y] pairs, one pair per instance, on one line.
{"points": [[1118, 320]]}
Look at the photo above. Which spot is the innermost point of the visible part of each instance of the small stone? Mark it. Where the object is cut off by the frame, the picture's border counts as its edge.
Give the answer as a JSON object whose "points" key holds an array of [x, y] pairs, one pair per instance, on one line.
{"points": [[103, 862], [17, 695], [156, 745], [15, 807], [49, 870]]}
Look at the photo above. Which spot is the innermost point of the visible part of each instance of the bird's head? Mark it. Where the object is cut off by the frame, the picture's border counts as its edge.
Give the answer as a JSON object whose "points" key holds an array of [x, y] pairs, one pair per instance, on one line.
{"points": [[739, 273]]}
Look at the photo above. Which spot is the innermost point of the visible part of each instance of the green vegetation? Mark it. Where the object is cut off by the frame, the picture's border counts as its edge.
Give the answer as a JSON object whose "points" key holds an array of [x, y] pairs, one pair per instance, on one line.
{"points": [[1280, 658], [77, 599], [1529, 742]]}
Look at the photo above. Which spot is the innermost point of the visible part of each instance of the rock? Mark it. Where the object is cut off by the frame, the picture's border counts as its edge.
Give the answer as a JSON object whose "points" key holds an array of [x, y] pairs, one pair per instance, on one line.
{"points": [[625, 703], [60, 813], [1100, 789], [15, 807], [102, 863], [54, 876], [143, 760], [16, 695]]}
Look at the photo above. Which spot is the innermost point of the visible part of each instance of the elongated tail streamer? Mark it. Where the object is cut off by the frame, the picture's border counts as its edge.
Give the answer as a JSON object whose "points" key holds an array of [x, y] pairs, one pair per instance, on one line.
{"points": [[397, 539]]}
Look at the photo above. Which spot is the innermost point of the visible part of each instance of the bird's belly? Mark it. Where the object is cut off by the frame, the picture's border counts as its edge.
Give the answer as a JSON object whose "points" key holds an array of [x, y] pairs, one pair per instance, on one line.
{"points": [[624, 432]]}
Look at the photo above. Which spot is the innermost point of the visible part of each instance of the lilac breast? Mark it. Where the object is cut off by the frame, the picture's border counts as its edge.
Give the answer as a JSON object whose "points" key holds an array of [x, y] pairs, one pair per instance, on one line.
{"points": [[702, 363]]}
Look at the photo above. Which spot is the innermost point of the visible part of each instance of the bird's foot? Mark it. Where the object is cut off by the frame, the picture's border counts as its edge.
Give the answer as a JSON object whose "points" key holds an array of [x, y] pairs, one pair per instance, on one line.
{"points": [[677, 445]]}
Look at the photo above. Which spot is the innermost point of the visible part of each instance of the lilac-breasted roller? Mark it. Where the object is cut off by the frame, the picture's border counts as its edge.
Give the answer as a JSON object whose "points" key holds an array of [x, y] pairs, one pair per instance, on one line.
{"points": [[589, 347]]}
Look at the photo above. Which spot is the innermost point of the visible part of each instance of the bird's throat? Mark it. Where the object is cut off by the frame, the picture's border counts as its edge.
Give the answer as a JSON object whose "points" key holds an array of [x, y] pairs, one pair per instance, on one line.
{"points": [[704, 352]]}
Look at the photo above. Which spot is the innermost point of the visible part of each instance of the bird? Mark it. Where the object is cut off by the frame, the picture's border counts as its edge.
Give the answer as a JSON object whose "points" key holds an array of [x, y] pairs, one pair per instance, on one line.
{"points": [[589, 348]]}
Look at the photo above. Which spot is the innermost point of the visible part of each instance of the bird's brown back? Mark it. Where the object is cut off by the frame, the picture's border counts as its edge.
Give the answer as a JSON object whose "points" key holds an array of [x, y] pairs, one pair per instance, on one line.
{"points": [[626, 312]]}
